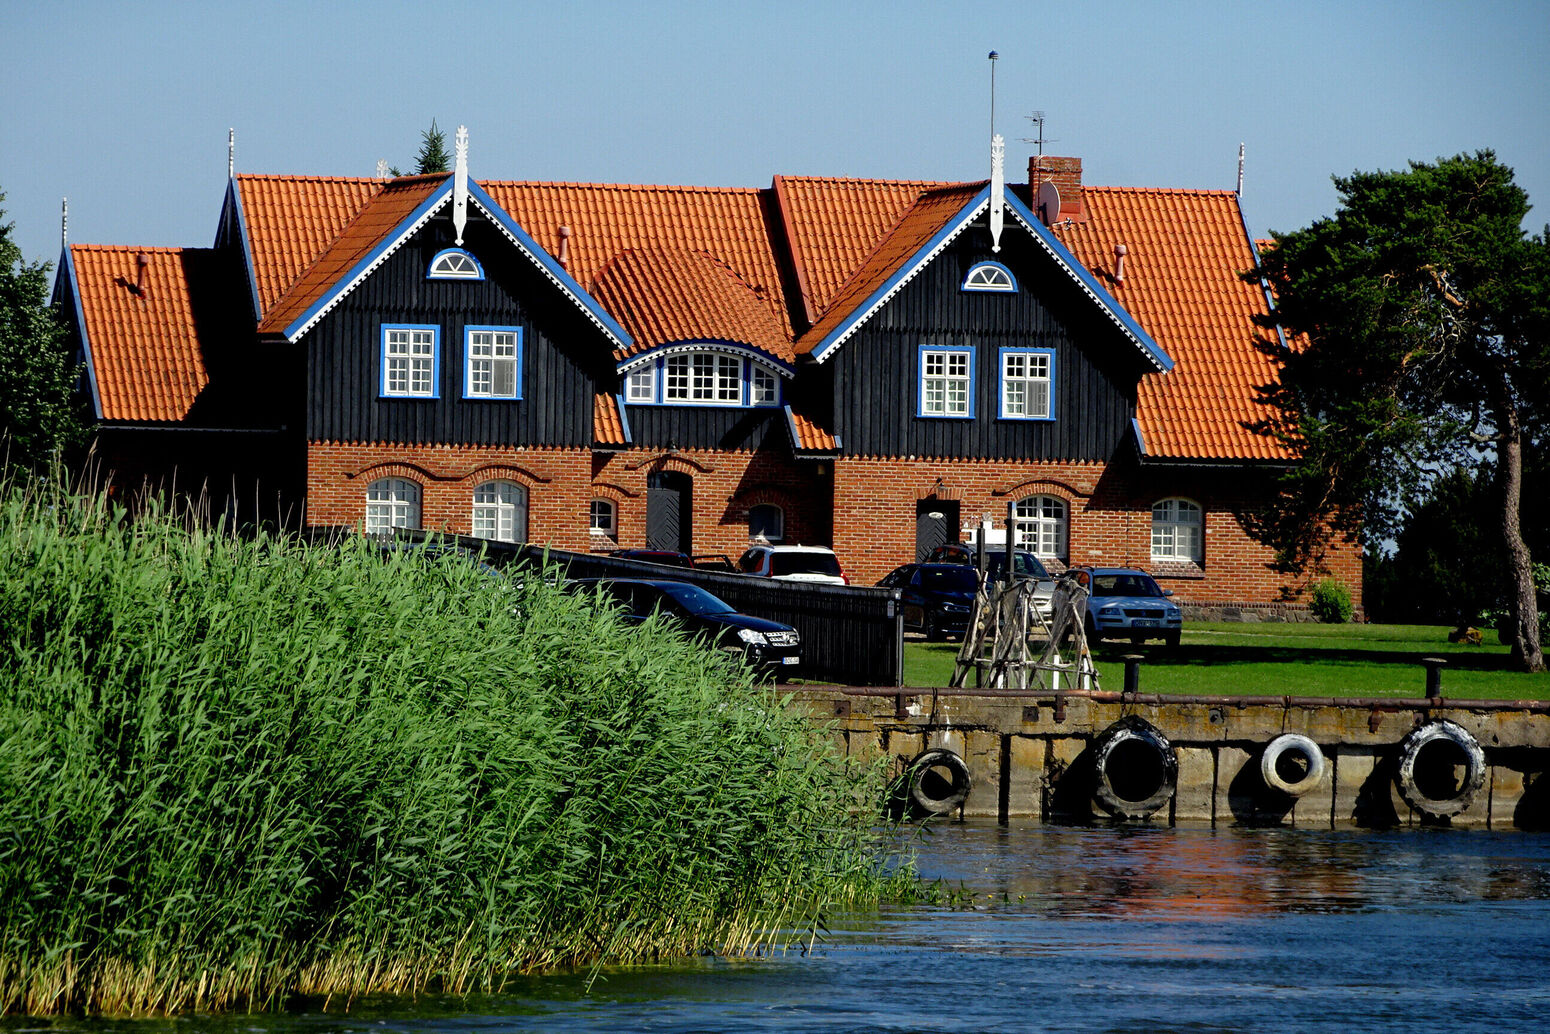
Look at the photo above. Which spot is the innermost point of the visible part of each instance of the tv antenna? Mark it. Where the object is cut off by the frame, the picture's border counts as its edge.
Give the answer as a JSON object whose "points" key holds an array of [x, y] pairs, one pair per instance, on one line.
{"points": [[1037, 118]]}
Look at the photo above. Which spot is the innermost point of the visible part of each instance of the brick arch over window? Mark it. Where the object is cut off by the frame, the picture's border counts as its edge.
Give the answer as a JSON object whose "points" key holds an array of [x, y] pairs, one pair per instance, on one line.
{"points": [[1178, 530], [504, 472], [392, 502], [500, 510], [396, 469], [1044, 526]]}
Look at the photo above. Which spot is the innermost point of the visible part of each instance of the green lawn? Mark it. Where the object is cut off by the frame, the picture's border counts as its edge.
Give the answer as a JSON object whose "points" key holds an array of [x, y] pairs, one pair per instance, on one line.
{"points": [[1253, 659]]}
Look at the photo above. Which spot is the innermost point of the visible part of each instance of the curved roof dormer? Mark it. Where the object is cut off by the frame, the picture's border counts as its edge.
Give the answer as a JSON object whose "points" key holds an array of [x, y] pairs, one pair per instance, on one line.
{"points": [[665, 297]]}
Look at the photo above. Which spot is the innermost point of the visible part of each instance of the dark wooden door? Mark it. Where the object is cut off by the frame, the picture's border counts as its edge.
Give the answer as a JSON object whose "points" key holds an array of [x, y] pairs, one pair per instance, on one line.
{"points": [[936, 524], [669, 511]]}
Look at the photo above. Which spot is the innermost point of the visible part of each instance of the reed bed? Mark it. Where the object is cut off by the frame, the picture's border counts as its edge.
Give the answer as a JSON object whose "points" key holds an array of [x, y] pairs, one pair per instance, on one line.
{"points": [[237, 770]]}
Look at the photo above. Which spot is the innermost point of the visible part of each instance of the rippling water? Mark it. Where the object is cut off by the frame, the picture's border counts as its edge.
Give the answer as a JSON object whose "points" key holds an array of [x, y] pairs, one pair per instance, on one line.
{"points": [[1085, 929]]}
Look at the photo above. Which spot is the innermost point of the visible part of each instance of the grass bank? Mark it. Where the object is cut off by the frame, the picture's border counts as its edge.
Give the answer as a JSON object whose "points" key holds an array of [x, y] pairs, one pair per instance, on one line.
{"points": [[1254, 658], [236, 771]]}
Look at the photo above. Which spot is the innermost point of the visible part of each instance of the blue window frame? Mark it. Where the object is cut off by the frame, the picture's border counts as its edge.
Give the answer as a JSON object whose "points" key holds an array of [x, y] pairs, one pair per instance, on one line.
{"points": [[990, 276], [945, 383], [1027, 384], [492, 362], [702, 378], [454, 264], [411, 361]]}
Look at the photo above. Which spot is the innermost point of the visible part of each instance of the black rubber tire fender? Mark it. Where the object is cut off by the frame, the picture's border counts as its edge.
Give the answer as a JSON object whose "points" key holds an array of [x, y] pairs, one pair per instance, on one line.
{"points": [[1298, 744], [1130, 743], [1440, 732], [925, 794]]}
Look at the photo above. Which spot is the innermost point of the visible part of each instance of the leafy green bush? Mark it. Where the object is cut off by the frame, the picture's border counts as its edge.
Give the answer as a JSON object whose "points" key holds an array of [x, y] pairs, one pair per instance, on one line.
{"points": [[234, 770], [1330, 602]]}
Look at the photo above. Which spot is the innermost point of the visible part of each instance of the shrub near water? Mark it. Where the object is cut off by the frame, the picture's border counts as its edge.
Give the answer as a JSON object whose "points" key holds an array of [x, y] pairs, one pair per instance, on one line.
{"points": [[231, 771]]}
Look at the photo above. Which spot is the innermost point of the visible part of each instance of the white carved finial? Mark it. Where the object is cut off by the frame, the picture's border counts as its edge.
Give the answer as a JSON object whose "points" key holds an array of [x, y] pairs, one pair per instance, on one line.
{"points": [[382, 169], [997, 189], [231, 153], [460, 185], [64, 222]]}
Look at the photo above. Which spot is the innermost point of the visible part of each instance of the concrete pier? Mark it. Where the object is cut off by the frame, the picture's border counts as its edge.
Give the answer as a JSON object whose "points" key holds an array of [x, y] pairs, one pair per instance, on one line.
{"points": [[1032, 755]]}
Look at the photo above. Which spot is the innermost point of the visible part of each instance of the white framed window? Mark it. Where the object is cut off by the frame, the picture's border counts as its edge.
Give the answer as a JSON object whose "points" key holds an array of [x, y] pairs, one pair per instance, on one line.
{"points": [[1177, 530], [642, 384], [500, 511], [410, 358], [1041, 526], [990, 276], [493, 362], [705, 378], [392, 503], [946, 382], [603, 518], [763, 386], [767, 521], [454, 264], [1027, 384]]}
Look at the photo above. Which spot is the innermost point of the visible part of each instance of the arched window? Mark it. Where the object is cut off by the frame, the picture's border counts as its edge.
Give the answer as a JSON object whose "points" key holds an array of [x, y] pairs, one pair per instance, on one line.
{"points": [[1177, 530], [1041, 526], [500, 511], [603, 519], [454, 264], [766, 520], [392, 503], [989, 276]]}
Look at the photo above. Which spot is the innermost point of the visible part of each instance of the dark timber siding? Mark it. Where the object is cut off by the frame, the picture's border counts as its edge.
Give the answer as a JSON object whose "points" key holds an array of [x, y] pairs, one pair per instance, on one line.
{"points": [[875, 373], [564, 356], [706, 427]]}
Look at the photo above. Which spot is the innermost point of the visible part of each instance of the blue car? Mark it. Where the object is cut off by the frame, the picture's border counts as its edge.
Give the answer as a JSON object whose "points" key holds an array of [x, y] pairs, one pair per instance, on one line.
{"points": [[1124, 603], [935, 599]]}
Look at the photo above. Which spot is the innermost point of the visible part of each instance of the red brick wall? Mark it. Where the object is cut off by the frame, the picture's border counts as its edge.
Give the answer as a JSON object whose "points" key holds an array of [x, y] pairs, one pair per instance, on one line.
{"points": [[561, 484], [1109, 520], [872, 526]]}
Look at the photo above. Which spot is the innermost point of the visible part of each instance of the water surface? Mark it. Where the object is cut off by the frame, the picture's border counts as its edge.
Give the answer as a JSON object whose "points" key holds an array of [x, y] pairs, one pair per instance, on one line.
{"points": [[1082, 929]]}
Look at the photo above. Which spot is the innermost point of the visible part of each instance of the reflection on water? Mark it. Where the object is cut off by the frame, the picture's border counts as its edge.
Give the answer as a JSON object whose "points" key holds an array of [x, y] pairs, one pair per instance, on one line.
{"points": [[1082, 929]]}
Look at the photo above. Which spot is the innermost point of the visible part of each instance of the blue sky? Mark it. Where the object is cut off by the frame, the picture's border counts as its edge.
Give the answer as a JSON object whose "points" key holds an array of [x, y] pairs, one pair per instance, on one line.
{"points": [[124, 107]]}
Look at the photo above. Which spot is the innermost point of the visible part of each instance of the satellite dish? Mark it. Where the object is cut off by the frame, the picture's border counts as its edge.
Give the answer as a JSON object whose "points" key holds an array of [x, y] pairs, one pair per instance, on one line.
{"points": [[1049, 202]]}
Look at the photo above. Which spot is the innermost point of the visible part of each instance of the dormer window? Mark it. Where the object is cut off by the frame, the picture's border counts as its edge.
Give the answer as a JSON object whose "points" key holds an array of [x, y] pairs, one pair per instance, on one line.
{"points": [[694, 377], [990, 276], [454, 264]]}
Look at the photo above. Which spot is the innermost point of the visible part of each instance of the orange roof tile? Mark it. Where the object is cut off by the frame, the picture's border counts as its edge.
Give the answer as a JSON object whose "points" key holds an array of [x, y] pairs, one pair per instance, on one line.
{"points": [[147, 349], [833, 224], [378, 218], [920, 222], [662, 296], [290, 220], [807, 435], [731, 225], [607, 423], [1185, 249]]}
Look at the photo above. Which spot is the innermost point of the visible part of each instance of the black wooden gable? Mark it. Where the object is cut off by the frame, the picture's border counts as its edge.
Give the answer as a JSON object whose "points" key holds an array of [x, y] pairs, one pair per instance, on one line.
{"points": [[565, 358], [875, 377]]}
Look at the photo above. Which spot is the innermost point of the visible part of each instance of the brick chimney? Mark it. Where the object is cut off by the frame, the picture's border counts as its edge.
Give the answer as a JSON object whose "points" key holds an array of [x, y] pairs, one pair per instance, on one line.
{"points": [[1066, 174]]}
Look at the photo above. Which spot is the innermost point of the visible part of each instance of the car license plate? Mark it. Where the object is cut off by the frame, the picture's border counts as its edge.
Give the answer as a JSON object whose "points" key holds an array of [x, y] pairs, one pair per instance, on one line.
{"points": [[789, 660], [1145, 622]]}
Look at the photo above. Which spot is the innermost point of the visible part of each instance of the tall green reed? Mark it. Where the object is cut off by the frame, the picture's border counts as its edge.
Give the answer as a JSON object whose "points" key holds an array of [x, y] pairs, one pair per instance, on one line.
{"points": [[233, 770]]}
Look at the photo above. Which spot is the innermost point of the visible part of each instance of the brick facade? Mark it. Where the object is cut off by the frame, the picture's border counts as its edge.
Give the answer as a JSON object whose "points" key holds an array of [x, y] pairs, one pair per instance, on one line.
{"points": [[1109, 508]]}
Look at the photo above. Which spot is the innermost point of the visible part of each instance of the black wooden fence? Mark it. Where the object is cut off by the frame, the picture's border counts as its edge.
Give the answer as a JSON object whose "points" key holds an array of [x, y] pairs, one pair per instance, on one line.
{"points": [[850, 635]]}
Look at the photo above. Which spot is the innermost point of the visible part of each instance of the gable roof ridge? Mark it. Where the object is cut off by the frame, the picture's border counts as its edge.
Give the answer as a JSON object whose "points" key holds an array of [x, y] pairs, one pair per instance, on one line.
{"points": [[631, 187]]}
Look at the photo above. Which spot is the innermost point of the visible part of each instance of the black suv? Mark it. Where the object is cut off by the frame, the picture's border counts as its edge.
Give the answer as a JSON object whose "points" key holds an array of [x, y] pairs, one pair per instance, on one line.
{"points": [[936, 599], [767, 645]]}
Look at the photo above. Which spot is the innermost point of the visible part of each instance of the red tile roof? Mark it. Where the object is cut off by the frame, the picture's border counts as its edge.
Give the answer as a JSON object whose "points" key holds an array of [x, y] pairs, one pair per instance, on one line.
{"points": [[145, 347], [833, 224], [607, 424], [377, 219], [731, 225], [290, 220], [662, 296], [808, 436], [1185, 249], [908, 235], [676, 263]]}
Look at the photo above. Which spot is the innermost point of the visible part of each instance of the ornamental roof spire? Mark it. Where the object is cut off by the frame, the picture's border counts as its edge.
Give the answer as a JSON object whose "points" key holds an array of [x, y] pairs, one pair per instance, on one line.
{"points": [[460, 185]]}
